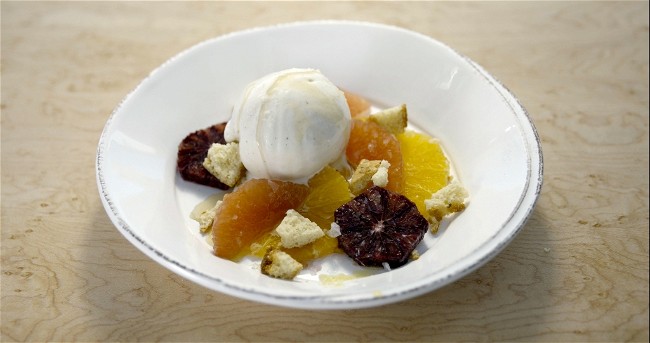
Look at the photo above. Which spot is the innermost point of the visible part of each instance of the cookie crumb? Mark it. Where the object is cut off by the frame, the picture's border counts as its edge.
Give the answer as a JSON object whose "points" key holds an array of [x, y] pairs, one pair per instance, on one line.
{"points": [[380, 177], [393, 119], [362, 175], [448, 200], [206, 218], [279, 264]]}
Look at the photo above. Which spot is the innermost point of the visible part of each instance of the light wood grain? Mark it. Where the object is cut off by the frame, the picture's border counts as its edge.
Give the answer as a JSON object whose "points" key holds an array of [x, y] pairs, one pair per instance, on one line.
{"points": [[577, 272]]}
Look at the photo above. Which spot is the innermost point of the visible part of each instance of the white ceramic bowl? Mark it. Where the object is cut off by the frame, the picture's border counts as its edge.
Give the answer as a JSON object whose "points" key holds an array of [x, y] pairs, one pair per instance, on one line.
{"points": [[488, 135]]}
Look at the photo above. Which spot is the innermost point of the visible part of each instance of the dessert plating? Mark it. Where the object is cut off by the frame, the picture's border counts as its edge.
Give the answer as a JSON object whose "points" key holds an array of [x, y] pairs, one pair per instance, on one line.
{"points": [[287, 151]]}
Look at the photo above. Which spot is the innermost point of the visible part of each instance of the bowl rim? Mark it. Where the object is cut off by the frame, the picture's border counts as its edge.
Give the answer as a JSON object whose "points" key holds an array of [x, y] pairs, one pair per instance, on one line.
{"points": [[516, 220]]}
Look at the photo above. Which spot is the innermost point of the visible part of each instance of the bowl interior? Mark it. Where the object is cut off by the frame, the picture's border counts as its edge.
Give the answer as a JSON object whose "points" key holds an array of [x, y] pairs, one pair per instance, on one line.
{"points": [[485, 132]]}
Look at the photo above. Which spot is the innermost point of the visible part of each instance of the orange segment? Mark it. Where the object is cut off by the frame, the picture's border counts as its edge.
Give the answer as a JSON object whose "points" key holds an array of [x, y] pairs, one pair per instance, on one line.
{"points": [[322, 247], [370, 141], [264, 243], [251, 210], [425, 168], [328, 190], [358, 105]]}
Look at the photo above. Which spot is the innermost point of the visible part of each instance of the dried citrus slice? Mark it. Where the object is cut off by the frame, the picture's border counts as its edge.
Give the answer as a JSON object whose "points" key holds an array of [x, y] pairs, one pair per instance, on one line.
{"points": [[327, 191], [251, 210], [358, 105], [425, 168], [370, 141], [379, 226]]}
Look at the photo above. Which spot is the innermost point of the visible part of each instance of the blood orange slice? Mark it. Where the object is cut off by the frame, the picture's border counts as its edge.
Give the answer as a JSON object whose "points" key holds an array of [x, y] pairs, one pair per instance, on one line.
{"points": [[380, 226], [192, 151]]}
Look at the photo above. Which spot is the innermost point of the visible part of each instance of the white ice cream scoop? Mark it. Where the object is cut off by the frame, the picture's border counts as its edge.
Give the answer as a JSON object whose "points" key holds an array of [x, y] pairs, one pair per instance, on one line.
{"points": [[290, 124]]}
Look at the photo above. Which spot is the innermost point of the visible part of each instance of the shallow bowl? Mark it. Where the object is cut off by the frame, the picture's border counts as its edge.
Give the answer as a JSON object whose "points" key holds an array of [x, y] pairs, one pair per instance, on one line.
{"points": [[488, 135]]}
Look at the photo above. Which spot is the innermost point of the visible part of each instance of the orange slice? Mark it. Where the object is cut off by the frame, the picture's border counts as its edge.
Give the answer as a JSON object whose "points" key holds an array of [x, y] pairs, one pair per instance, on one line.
{"points": [[328, 190], [321, 247], [425, 168]]}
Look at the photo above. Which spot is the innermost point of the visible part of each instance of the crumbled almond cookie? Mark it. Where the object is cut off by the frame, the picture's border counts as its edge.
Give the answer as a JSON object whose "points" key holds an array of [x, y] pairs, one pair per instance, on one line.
{"points": [[380, 177], [392, 119], [296, 230], [206, 218], [223, 161], [447, 200], [362, 175], [279, 264]]}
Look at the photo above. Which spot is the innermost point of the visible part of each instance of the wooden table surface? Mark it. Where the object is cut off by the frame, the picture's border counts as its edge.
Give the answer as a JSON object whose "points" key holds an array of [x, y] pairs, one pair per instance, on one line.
{"points": [[577, 272]]}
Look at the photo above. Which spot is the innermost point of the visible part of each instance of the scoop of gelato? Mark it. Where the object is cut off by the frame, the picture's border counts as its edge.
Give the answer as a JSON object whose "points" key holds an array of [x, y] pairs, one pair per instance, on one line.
{"points": [[290, 124]]}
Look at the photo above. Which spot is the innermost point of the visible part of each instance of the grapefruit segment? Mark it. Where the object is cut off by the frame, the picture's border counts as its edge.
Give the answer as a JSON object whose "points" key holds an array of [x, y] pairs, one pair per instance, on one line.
{"points": [[368, 140], [358, 105], [254, 208]]}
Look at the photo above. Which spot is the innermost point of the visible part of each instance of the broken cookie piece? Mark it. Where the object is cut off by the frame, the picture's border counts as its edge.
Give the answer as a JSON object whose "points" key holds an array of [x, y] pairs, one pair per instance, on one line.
{"points": [[375, 171], [392, 119], [448, 200], [380, 177], [206, 218], [279, 264], [296, 230], [224, 163]]}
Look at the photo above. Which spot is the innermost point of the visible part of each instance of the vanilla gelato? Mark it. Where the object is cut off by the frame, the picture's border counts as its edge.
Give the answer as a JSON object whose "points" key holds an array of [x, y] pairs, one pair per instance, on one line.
{"points": [[289, 125]]}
